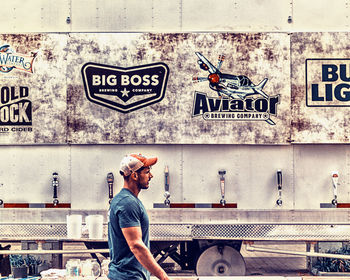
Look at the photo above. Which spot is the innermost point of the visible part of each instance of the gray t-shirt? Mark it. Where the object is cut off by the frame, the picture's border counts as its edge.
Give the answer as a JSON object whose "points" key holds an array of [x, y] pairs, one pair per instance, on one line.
{"points": [[126, 210]]}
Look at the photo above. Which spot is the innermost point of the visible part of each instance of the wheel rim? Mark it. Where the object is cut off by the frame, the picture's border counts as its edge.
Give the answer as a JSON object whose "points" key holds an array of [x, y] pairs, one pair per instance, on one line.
{"points": [[220, 261]]}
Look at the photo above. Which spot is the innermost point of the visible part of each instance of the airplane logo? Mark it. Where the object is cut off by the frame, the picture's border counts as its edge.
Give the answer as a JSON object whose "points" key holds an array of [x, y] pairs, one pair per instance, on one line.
{"points": [[227, 84]]}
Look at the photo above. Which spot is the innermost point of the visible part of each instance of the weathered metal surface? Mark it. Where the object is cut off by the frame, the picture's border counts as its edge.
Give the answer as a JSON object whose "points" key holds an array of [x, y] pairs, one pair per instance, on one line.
{"points": [[250, 179], [316, 15], [40, 91], [319, 116], [313, 167], [175, 16], [256, 56], [232, 15], [176, 232], [26, 174], [35, 16]]}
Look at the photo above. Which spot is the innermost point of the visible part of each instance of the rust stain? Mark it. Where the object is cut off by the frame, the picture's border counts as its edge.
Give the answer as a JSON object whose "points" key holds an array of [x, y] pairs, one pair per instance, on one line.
{"points": [[159, 39], [49, 55], [269, 55], [74, 103], [77, 125], [78, 49], [302, 124], [23, 43], [297, 96], [141, 53]]}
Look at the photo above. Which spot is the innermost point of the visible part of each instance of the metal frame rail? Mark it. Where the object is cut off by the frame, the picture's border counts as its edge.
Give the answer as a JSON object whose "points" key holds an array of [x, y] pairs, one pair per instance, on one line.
{"points": [[309, 232], [192, 231]]}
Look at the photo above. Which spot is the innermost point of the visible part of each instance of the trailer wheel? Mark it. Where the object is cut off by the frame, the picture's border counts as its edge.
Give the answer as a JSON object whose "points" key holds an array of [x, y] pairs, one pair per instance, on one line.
{"points": [[220, 260]]}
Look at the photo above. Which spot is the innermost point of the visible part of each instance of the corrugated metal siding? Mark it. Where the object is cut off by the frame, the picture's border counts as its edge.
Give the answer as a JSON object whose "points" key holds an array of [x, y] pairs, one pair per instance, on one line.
{"points": [[175, 16], [23, 16]]}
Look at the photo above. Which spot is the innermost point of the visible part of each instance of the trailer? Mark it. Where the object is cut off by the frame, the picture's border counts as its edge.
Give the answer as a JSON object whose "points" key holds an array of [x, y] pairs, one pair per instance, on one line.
{"points": [[245, 110]]}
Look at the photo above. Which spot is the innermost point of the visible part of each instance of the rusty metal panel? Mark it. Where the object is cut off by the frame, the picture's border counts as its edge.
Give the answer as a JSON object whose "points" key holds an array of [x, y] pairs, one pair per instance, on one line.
{"points": [[320, 99], [319, 15], [313, 168], [235, 15], [121, 15], [20, 16], [91, 163], [167, 16], [249, 181], [33, 89], [189, 112], [99, 16], [26, 173], [180, 16]]}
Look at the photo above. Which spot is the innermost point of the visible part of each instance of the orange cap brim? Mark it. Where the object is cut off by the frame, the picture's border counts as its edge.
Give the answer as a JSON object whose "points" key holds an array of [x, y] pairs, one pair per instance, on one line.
{"points": [[150, 161]]}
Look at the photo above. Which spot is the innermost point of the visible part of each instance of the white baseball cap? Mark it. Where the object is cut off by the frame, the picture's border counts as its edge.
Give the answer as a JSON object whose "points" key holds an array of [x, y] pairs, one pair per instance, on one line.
{"points": [[133, 162]]}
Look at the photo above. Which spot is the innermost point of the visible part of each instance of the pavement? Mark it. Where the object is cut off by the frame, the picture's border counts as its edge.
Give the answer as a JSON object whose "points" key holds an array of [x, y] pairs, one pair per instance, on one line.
{"points": [[233, 278], [261, 266], [267, 266]]}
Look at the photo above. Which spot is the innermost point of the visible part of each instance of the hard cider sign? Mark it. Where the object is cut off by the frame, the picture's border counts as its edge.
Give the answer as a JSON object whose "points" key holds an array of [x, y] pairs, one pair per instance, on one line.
{"points": [[15, 104], [33, 93], [15, 108]]}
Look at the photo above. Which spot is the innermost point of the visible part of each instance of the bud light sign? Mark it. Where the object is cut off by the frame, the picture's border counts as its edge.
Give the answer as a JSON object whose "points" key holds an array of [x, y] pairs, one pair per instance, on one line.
{"points": [[125, 89], [328, 82]]}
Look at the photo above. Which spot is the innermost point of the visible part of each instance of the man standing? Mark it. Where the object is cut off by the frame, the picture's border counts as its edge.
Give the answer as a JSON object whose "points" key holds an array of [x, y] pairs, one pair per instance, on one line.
{"points": [[128, 226]]}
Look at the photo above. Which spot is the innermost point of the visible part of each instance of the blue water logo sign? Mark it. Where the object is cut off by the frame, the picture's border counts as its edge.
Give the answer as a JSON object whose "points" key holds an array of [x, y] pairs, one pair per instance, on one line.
{"points": [[10, 60], [327, 82]]}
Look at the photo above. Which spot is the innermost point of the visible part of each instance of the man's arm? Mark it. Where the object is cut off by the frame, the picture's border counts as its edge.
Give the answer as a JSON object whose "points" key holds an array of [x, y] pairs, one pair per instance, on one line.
{"points": [[133, 236]]}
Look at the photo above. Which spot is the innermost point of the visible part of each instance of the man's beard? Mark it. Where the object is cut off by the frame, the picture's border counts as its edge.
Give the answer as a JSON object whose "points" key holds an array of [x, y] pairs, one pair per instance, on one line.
{"points": [[142, 187]]}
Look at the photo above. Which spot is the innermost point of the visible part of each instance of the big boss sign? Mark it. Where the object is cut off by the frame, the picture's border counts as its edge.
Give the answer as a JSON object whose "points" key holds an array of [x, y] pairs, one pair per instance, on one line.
{"points": [[125, 89]]}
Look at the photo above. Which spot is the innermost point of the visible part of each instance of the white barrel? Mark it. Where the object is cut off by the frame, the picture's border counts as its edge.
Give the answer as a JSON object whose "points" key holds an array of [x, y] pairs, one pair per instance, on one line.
{"points": [[95, 226], [74, 226]]}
